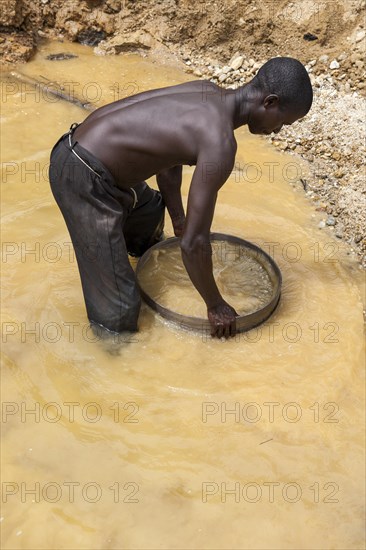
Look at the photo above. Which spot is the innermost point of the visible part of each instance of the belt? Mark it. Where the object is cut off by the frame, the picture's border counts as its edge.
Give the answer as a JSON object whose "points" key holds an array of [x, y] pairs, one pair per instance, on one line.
{"points": [[73, 126]]}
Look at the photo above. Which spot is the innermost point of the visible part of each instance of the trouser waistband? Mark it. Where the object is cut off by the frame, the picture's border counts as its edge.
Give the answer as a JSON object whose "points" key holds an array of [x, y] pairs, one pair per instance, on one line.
{"points": [[96, 166]]}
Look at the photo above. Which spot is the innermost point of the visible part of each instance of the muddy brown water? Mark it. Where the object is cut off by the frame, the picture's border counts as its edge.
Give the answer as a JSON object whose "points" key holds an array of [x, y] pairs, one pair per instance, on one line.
{"points": [[241, 279], [169, 439]]}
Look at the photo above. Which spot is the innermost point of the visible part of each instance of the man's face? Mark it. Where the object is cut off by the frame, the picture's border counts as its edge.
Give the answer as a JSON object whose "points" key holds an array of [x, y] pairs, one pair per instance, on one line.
{"points": [[268, 117]]}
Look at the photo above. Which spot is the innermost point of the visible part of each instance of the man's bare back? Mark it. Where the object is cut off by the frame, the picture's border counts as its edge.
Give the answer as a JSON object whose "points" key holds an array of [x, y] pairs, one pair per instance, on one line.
{"points": [[135, 138]]}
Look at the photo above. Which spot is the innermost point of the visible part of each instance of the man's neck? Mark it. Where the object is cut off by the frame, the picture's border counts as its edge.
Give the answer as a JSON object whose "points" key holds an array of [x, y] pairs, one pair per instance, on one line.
{"points": [[239, 102]]}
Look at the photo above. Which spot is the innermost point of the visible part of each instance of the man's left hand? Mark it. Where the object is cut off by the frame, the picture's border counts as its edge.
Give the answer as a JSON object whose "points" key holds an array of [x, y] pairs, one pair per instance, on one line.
{"points": [[178, 226]]}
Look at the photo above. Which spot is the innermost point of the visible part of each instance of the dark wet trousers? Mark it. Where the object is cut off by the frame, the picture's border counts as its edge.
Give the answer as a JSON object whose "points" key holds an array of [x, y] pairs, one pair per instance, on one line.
{"points": [[105, 223]]}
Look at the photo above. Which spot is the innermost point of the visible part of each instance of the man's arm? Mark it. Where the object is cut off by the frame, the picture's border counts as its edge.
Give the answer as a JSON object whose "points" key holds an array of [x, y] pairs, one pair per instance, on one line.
{"points": [[169, 182], [212, 170]]}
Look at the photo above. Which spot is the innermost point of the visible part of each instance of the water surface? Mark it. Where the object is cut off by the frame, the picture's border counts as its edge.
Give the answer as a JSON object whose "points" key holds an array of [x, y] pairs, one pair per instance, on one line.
{"points": [[173, 440]]}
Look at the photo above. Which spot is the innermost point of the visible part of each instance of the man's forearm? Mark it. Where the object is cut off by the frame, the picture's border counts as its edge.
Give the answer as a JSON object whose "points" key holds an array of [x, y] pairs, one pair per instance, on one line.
{"points": [[173, 202], [169, 183], [197, 260]]}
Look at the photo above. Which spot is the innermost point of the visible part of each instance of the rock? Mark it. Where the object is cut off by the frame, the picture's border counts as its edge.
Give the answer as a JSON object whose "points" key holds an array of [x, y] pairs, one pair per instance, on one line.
{"points": [[73, 28], [336, 155], [237, 62], [334, 64], [11, 13], [114, 5], [338, 174], [226, 69], [124, 42], [91, 38], [360, 36], [223, 77], [310, 37], [321, 224], [60, 56], [234, 56], [323, 59], [330, 220]]}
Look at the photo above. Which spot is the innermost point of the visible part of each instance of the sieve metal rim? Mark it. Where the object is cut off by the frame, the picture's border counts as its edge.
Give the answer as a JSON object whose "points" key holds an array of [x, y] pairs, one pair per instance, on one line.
{"points": [[243, 322]]}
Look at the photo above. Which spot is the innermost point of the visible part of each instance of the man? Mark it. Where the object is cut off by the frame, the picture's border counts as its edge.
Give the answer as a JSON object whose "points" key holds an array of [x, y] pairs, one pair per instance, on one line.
{"points": [[98, 170]]}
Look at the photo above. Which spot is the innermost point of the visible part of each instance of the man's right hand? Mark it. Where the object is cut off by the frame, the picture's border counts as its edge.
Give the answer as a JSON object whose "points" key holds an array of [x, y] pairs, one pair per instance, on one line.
{"points": [[222, 319]]}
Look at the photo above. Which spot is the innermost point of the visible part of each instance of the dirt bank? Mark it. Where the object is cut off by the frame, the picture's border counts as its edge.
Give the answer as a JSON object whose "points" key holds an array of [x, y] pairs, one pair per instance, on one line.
{"points": [[215, 30], [228, 41]]}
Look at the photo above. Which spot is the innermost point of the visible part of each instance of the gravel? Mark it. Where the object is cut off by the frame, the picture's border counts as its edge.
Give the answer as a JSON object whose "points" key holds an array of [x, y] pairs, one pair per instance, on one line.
{"points": [[331, 138]]}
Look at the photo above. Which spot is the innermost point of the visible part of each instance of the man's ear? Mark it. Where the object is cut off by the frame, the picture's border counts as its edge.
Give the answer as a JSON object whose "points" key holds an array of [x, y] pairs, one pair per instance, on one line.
{"points": [[271, 100]]}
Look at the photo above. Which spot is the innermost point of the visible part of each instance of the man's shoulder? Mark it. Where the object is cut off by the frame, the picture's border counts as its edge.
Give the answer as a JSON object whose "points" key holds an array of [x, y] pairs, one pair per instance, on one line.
{"points": [[218, 135], [218, 147]]}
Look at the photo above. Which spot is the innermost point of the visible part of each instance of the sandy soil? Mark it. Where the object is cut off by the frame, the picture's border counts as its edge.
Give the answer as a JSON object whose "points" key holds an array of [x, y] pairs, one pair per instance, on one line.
{"points": [[228, 41]]}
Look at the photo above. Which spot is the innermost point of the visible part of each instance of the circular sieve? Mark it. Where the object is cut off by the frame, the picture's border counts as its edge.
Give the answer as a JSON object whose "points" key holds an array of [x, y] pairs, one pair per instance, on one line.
{"points": [[243, 322]]}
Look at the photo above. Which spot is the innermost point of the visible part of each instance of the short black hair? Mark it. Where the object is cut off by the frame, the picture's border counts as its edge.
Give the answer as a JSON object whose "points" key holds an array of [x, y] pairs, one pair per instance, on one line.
{"points": [[287, 78]]}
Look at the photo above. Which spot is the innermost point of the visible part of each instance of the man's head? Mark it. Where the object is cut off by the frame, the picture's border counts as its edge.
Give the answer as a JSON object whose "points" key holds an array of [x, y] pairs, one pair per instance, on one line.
{"points": [[282, 94]]}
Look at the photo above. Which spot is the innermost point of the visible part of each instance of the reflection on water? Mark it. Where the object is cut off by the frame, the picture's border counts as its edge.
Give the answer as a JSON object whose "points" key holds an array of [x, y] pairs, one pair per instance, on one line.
{"points": [[176, 441]]}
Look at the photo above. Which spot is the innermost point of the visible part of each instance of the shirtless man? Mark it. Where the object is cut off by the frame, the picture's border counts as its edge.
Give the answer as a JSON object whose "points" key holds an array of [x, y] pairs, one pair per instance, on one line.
{"points": [[98, 170]]}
